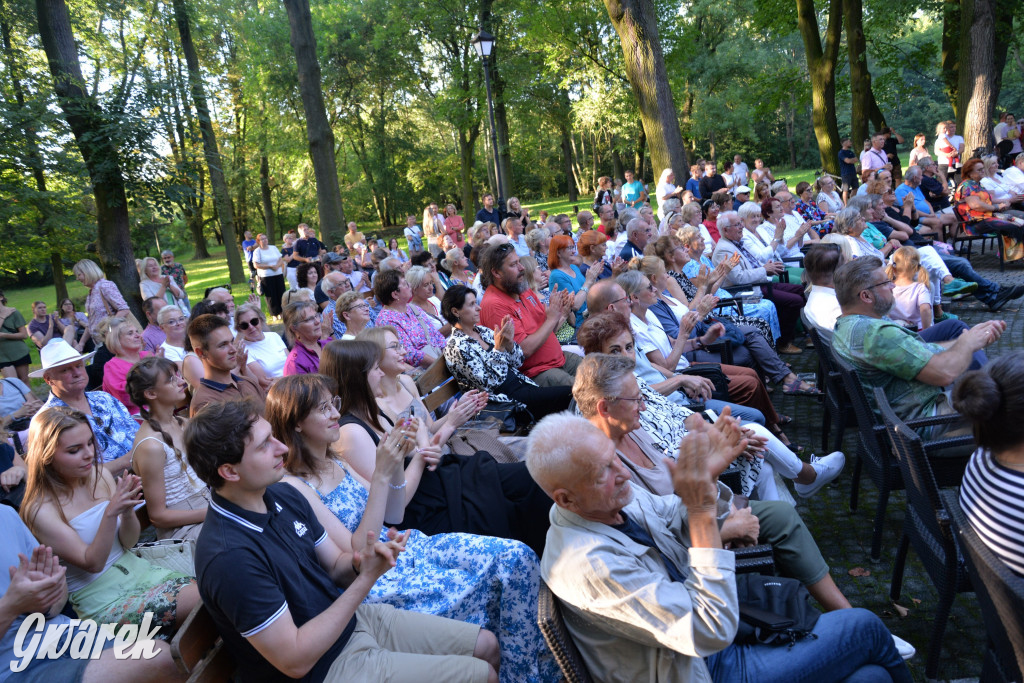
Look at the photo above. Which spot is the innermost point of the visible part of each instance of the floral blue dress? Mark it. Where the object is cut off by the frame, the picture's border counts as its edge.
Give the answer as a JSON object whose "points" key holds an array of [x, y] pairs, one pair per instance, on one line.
{"points": [[482, 580], [764, 309]]}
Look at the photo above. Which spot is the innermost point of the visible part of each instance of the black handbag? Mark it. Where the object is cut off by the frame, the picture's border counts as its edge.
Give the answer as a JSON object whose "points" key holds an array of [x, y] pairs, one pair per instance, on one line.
{"points": [[510, 416], [713, 372], [773, 610]]}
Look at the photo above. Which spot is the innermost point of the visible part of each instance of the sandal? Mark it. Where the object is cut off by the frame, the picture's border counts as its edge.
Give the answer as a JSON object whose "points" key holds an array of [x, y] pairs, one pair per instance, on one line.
{"points": [[793, 389], [796, 448], [784, 419]]}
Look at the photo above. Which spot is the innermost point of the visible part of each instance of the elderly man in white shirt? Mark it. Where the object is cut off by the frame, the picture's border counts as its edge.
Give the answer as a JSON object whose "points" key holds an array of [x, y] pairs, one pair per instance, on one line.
{"points": [[798, 231], [1014, 175]]}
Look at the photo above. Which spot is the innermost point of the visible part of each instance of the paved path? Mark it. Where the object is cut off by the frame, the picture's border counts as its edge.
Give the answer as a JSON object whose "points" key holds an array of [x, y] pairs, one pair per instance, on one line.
{"points": [[845, 537]]}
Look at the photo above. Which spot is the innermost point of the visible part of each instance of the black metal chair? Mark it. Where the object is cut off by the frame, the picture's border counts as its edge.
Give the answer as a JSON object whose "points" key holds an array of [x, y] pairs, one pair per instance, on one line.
{"points": [[837, 402], [1000, 593], [926, 526], [875, 451]]}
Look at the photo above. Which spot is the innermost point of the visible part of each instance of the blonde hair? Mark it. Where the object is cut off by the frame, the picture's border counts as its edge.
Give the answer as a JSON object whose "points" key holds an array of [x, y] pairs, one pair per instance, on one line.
{"points": [[650, 266], [42, 482], [529, 265], [89, 272], [112, 338], [416, 276], [907, 261], [450, 257], [145, 264]]}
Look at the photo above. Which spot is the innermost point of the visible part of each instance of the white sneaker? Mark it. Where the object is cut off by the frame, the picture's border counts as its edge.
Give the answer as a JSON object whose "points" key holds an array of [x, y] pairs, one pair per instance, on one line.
{"points": [[828, 468], [905, 649]]}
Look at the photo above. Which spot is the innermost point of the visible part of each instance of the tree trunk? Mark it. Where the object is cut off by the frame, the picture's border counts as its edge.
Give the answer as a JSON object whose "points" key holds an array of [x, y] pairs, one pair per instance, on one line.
{"points": [[636, 22], [638, 153], [618, 170], [266, 197], [821, 65], [35, 160], [467, 141], [570, 179], [977, 74], [501, 126], [214, 162], [951, 20], [89, 126], [318, 128], [860, 77]]}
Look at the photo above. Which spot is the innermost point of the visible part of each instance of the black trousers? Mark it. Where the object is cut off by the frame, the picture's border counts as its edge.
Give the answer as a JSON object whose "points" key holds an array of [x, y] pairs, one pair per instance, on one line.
{"points": [[273, 289]]}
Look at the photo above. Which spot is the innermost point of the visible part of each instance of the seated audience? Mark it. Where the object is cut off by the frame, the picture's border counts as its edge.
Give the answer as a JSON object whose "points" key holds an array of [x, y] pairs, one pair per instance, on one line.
{"points": [[216, 349], [807, 208], [975, 206], [43, 327], [990, 399], [112, 425], [506, 294], [69, 316], [426, 293], [457, 265], [333, 286], [76, 507], [539, 240], [638, 234], [422, 341], [303, 330], [822, 309], [355, 313], [664, 421], [33, 582], [675, 613], [448, 493], [912, 302], [174, 324], [488, 360], [176, 499], [565, 275], [265, 350], [288, 603], [912, 370], [591, 247], [748, 270], [124, 339], [487, 581]]}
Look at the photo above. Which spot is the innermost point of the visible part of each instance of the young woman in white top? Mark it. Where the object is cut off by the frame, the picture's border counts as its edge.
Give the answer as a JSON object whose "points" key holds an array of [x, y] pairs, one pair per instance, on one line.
{"points": [[75, 506], [176, 499], [266, 350]]}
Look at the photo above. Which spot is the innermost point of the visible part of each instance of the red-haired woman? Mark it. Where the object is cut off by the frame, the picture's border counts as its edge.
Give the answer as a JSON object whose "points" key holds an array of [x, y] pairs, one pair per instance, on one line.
{"points": [[566, 276]]}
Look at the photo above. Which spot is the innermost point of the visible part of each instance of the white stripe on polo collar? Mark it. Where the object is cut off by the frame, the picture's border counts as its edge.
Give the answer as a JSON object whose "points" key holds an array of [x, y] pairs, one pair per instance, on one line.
{"points": [[232, 516]]}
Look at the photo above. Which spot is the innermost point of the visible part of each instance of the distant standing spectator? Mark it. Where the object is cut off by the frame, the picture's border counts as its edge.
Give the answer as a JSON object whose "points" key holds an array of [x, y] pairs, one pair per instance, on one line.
{"points": [[354, 236], [433, 229], [104, 298], [14, 356], [604, 193], [920, 150], [891, 149], [269, 263], [413, 235], [513, 209], [308, 247], [488, 214], [740, 171], [248, 246], [848, 169], [455, 228], [693, 184], [633, 192], [712, 181]]}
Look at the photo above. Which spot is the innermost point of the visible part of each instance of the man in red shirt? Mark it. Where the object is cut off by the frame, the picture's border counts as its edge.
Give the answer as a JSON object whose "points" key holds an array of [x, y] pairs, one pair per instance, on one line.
{"points": [[506, 295]]}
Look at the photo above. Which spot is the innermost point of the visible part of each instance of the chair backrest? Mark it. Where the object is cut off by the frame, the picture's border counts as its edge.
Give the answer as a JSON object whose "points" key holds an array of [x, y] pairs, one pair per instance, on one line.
{"points": [[872, 432], [929, 522], [197, 649], [999, 591], [557, 636], [828, 373], [437, 384]]}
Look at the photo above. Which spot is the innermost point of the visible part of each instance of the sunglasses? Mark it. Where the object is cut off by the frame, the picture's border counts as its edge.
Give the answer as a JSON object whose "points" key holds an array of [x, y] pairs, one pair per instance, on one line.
{"points": [[244, 325]]}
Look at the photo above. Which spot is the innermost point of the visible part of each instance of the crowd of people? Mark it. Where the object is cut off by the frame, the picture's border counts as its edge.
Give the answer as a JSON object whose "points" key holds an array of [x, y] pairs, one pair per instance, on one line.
{"points": [[338, 534]]}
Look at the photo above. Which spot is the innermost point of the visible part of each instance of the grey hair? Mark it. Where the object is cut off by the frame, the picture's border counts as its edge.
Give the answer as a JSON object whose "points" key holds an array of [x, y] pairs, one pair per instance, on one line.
{"points": [[748, 209], [912, 173], [598, 378], [332, 283], [731, 215], [167, 252], [779, 186], [861, 202], [632, 282], [390, 263], [687, 234], [625, 216], [672, 204], [162, 317], [553, 446], [853, 277], [416, 275], [217, 289], [534, 237], [846, 219], [635, 225], [448, 262]]}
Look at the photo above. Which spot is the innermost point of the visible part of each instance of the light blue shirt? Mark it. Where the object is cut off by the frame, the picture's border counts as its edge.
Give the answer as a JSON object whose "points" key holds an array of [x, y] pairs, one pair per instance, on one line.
{"points": [[113, 427]]}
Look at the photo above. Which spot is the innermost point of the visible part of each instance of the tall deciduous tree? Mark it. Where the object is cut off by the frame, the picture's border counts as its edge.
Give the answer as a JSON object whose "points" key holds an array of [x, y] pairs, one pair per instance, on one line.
{"points": [[863, 109], [636, 22], [214, 162], [821, 64], [92, 133], [978, 88], [318, 128]]}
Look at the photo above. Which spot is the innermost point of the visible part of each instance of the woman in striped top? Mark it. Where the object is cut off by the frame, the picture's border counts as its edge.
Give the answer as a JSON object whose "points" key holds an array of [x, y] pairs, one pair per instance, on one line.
{"points": [[992, 494]]}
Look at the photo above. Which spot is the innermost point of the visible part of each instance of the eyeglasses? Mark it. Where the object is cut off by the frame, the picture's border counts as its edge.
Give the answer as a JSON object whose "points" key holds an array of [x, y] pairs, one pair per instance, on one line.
{"points": [[395, 346], [325, 407], [243, 325], [879, 284], [308, 320], [178, 321], [364, 306], [623, 298], [639, 400]]}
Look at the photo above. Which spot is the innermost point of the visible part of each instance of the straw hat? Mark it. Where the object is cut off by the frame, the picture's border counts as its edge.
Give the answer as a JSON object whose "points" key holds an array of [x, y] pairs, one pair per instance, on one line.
{"points": [[58, 352]]}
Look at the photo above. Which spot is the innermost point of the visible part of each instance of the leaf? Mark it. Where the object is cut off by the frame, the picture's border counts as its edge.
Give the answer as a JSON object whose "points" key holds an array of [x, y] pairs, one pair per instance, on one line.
{"points": [[916, 601], [901, 610], [859, 571]]}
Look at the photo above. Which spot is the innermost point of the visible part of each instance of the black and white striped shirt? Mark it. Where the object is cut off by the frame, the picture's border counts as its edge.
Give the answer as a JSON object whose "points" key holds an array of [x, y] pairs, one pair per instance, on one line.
{"points": [[992, 497]]}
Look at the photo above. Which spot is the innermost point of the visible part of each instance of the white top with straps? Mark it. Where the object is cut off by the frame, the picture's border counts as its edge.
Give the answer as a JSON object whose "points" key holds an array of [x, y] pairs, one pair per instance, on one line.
{"points": [[180, 480]]}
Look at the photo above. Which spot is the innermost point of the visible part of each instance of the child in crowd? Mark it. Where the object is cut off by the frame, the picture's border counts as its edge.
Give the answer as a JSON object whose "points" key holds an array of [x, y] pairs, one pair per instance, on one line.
{"points": [[912, 298]]}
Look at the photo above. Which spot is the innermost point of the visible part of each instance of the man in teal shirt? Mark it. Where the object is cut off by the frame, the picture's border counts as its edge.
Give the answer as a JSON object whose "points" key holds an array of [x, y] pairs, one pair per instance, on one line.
{"points": [[633, 192]]}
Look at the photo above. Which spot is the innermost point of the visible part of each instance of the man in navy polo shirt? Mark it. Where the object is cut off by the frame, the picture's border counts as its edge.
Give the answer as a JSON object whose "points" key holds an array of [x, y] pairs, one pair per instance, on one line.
{"points": [[270, 576]]}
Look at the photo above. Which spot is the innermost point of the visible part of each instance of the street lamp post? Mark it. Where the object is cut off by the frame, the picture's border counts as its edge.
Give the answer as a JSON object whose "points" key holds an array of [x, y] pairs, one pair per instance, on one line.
{"points": [[483, 43]]}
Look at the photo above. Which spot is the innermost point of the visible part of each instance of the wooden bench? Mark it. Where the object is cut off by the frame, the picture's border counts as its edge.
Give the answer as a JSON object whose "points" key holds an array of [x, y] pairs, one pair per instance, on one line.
{"points": [[198, 650], [436, 385]]}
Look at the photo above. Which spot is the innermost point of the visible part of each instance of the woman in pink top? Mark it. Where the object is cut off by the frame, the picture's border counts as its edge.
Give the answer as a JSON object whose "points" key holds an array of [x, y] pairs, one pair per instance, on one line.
{"points": [[454, 227], [124, 339]]}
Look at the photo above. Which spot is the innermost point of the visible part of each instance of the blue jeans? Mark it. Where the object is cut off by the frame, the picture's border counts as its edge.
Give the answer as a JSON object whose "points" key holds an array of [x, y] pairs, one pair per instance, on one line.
{"points": [[961, 268], [742, 413], [852, 645], [948, 330]]}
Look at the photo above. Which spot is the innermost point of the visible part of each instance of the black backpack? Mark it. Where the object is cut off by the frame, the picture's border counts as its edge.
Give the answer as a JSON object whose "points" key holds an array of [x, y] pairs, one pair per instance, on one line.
{"points": [[773, 610]]}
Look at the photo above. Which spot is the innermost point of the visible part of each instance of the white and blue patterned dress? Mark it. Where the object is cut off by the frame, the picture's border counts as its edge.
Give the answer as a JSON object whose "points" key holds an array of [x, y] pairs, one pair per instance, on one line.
{"points": [[482, 580]]}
